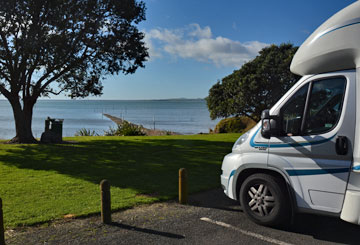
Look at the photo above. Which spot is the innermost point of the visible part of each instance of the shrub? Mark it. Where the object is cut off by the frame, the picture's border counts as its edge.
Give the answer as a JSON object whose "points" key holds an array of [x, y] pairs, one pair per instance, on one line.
{"points": [[125, 129], [234, 125], [85, 132], [111, 132]]}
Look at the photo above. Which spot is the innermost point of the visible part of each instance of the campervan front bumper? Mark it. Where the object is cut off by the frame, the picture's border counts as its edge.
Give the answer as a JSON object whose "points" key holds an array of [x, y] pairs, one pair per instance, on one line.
{"points": [[229, 166]]}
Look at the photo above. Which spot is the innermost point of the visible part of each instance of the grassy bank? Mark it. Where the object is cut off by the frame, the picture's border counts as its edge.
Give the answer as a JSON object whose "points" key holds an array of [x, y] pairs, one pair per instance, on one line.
{"points": [[43, 182]]}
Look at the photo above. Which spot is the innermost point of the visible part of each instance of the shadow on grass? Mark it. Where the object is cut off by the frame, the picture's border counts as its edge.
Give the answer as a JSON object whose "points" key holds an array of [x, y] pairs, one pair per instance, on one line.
{"points": [[146, 164]]}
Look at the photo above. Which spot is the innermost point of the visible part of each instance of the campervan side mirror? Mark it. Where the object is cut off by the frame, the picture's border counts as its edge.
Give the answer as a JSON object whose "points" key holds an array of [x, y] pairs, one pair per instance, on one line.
{"points": [[269, 124], [265, 124]]}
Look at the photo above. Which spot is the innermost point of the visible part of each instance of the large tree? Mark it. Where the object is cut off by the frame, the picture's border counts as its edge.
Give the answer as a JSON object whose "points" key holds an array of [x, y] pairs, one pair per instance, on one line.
{"points": [[54, 46], [256, 86]]}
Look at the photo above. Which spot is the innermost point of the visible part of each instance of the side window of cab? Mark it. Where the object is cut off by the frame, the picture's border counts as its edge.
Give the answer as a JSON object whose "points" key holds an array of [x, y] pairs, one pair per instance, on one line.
{"points": [[292, 112], [315, 108]]}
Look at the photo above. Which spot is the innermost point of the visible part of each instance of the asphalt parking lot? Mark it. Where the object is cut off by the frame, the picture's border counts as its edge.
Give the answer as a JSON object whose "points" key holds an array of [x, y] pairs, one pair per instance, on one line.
{"points": [[210, 218]]}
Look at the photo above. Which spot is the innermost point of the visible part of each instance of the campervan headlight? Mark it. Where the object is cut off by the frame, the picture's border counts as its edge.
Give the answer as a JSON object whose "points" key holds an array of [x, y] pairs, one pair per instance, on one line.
{"points": [[240, 140]]}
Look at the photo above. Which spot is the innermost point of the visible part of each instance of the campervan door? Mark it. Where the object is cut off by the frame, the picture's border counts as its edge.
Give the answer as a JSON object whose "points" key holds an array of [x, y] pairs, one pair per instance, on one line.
{"points": [[316, 144]]}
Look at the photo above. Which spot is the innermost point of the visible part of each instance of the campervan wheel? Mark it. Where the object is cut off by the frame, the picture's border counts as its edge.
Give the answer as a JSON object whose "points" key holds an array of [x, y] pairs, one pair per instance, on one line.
{"points": [[264, 200]]}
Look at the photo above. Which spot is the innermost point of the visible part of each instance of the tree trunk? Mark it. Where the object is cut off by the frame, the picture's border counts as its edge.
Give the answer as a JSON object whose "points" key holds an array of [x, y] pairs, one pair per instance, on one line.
{"points": [[23, 119]]}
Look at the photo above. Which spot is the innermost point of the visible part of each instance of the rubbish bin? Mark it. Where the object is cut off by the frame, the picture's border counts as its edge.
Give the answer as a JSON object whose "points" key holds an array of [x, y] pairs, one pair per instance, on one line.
{"points": [[53, 131], [57, 126]]}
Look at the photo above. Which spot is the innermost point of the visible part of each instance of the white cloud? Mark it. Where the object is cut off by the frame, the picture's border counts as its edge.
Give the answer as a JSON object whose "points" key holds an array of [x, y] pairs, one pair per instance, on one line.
{"points": [[153, 52], [194, 42], [196, 31]]}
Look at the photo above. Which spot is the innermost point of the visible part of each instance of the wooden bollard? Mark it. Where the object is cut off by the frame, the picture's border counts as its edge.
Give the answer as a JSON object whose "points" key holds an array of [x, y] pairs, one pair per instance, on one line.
{"points": [[105, 202], [2, 231], [183, 193]]}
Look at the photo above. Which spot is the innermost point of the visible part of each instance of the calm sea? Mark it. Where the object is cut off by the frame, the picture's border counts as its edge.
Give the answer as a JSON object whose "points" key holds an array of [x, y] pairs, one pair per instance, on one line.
{"points": [[182, 116]]}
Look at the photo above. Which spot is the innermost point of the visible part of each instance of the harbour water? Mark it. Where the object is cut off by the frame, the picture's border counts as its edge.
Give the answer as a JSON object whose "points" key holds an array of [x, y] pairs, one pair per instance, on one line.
{"points": [[179, 115]]}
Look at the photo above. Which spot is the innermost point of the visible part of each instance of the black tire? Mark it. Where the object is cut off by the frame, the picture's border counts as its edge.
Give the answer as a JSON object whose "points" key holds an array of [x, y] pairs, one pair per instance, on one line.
{"points": [[264, 199]]}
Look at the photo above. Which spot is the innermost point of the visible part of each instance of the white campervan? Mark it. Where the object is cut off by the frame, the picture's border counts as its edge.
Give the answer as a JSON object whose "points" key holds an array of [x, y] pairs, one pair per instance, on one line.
{"points": [[304, 155]]}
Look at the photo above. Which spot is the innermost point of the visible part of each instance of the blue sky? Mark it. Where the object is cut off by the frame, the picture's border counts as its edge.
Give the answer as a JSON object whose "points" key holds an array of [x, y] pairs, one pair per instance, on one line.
{"points": [[194, 43]]}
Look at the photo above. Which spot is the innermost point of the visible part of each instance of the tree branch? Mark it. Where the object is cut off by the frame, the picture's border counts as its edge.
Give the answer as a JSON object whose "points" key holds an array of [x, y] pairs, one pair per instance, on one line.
{"points": [[39, 89], [55, 93], [4, 76], [68, 68], [8, 53], [5, 92]]}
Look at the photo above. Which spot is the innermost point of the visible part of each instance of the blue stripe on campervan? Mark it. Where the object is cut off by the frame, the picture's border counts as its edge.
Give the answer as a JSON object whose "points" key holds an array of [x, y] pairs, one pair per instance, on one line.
{"points": [[231, 175], [302, 172], [293, 144]]}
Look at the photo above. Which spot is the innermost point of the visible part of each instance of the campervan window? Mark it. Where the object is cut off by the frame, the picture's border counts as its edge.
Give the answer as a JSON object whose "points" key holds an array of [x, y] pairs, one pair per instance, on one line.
{"points": [[324, 105], [323, 108], [293, 111]]}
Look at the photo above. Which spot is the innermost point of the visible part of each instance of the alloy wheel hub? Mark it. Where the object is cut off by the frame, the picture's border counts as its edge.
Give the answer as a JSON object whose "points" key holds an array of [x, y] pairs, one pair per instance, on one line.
{"points": [[262, 201]]}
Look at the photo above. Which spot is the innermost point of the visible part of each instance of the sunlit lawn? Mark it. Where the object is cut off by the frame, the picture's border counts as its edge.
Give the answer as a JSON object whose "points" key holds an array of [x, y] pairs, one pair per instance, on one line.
{"points": [[44, 182]]}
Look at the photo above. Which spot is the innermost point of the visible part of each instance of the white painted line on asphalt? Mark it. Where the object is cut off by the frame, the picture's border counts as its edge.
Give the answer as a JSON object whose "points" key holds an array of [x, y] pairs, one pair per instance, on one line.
{"points": [[248, 233]]}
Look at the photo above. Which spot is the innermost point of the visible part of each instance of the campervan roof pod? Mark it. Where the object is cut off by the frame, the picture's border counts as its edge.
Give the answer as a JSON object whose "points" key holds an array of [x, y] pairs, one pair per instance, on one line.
{"points": [[334, 46]]}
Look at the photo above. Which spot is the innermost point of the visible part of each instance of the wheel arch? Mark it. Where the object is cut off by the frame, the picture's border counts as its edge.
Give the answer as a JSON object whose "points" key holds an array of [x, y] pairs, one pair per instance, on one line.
{"points": [[243, 174]]}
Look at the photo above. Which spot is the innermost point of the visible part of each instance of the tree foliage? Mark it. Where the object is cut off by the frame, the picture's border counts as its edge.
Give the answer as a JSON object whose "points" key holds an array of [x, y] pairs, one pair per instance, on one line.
{"points": [[54, 46], [256, 86]]}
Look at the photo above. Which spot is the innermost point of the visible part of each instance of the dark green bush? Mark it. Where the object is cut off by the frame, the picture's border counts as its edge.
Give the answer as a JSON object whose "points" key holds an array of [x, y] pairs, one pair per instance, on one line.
{"points": [[234, 125], [85, 132], [125, 129]]}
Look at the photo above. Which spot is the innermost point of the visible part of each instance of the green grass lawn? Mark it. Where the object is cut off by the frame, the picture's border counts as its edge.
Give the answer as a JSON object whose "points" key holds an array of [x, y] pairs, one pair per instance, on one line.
{"points": [[39, 183]]}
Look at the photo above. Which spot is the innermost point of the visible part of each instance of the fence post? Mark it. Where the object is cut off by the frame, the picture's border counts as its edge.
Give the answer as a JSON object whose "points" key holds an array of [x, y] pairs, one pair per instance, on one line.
{"points": [[105, 202], [2, 231], [183, 193]]}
